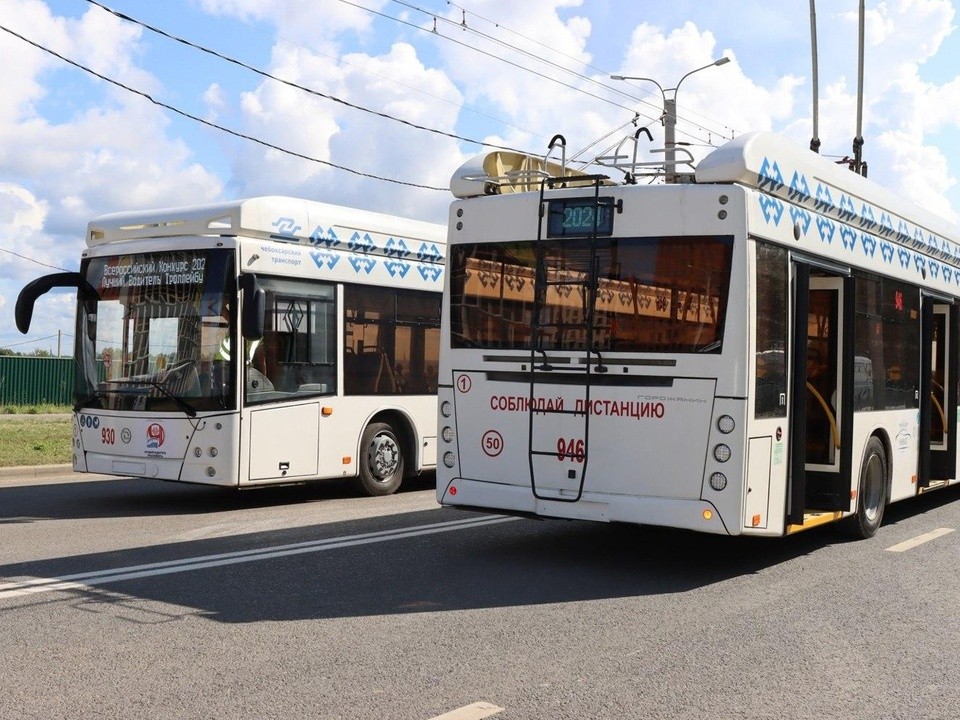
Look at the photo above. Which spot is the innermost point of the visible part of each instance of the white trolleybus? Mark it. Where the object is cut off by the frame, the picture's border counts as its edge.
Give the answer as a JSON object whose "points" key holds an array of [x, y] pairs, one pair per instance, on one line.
{"points": [[269, 340], [768, 346]]}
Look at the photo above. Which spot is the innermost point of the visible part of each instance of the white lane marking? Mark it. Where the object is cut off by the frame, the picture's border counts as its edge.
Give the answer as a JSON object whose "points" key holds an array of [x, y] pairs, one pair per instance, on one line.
{"points": [[133, 572], [476, 711], [919, 540]]}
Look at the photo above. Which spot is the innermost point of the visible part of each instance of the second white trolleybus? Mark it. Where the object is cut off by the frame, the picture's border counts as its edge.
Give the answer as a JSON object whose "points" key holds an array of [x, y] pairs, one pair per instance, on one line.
{"points": [[769, 346], [268, 340]]}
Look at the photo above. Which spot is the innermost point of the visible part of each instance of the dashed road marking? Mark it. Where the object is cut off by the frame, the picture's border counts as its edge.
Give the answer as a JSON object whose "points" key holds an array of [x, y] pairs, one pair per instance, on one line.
{"points": [[919, 540], [476, 711]]}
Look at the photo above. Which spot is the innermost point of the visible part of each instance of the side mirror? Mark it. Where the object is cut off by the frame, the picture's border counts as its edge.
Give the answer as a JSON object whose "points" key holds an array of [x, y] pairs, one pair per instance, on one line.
{"points": [[34, 289], [254, 308]]}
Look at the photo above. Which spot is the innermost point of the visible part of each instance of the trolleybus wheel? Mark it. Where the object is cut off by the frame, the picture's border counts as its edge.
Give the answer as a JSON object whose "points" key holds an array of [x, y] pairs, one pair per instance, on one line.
{"points": [[871, 492], [381, 460]]}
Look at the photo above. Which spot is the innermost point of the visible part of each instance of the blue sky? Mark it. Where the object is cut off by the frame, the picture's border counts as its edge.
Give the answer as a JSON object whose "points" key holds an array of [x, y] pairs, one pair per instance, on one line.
{"points": [[73, 146]]}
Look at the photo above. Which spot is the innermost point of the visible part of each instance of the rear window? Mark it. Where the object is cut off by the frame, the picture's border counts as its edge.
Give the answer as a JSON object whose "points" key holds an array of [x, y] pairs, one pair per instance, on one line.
{"points": [[654, 294]]}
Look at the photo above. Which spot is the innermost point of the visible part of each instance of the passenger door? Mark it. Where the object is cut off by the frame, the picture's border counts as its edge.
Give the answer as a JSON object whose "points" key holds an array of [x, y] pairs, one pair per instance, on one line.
{"points": [[821, 391], [938, 392]]}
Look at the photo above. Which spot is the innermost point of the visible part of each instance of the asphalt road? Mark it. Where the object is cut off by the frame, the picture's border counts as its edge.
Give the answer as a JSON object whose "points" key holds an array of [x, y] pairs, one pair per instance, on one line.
{"points": [[139, 599]]}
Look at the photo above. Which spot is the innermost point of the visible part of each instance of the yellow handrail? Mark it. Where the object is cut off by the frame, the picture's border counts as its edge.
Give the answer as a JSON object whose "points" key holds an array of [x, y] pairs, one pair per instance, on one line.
{"points": [[943, 415], [830, 416]]}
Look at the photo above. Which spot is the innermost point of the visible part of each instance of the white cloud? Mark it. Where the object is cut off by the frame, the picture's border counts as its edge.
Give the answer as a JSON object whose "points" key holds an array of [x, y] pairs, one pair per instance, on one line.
{"points": [[328, 131], [215, 100], [299, 21], [105, 151], [900, 111]]}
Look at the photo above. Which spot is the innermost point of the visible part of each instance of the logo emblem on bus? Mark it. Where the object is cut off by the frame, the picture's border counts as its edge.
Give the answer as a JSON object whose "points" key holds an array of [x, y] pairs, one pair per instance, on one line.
{"points": [[126, 436], [155, 435]]}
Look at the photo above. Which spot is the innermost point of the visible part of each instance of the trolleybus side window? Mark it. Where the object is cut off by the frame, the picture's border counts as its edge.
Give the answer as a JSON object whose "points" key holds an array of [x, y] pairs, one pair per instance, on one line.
{"points": [[297, 355], [886, 344], [392, 344], [771, 379]]}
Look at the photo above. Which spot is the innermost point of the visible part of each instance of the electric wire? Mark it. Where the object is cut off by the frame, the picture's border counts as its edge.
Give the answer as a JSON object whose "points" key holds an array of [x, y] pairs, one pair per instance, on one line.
{"points": [[498, 58], [216, 126], [30, 342], [490, 55], [341, 62], [30, 259], [521, 51], [452, 103], [501, 26], [464, 26], [311, 91]]}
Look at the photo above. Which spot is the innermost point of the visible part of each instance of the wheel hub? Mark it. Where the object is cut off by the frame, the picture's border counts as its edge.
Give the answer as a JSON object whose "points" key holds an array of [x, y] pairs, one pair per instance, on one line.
{"points": [[384, 456]]}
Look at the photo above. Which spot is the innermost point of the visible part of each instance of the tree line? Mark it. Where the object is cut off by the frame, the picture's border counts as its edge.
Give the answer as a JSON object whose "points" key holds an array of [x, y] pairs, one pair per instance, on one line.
{"points": [[33, 353]]}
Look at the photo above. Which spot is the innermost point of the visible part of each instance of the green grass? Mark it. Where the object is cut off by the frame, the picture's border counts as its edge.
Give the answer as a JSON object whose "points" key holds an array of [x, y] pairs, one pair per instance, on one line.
{"points": [[34, 409], [40, 440]]}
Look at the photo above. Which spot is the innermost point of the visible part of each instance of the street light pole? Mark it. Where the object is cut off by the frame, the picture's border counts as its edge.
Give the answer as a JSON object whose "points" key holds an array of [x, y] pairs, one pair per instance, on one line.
{"points": [[670, 115]]}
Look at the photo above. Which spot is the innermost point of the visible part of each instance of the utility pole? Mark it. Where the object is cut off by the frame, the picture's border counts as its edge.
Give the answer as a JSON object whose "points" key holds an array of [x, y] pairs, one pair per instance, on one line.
{"points": [[670, 116]]}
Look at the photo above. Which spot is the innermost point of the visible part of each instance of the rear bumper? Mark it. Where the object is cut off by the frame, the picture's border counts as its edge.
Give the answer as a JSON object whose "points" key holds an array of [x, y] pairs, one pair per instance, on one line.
{"points": [[691, 514]]}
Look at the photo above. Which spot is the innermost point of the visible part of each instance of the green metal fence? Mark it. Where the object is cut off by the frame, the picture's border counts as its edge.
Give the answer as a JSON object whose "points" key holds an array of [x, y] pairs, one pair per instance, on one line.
{"points": [[36, 380]]}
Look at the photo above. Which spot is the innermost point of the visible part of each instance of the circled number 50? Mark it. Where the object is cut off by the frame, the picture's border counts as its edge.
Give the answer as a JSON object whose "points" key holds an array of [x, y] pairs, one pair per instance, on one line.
{"points": [[492, 443]]}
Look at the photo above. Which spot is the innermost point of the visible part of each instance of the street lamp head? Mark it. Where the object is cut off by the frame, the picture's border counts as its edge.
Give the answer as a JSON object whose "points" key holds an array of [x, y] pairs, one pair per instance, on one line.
{"points": [[721, 61]]}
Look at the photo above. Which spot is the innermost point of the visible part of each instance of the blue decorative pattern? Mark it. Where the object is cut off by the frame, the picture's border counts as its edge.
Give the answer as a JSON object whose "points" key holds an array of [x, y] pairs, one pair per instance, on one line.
{"points": [[324, 259], [770, 176], [799, 189], [362, 253], [862, 230], [328, 238], [772, 208], [801, 217]]}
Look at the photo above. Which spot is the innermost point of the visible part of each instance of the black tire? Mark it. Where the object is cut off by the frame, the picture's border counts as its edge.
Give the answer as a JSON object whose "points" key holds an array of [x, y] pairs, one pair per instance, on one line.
{"points": [[381, 460], [871, 493]]}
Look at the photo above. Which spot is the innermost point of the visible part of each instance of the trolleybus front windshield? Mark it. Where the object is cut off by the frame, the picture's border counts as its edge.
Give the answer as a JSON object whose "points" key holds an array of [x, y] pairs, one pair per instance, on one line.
{"points": [[653, 294], [157, 337]]}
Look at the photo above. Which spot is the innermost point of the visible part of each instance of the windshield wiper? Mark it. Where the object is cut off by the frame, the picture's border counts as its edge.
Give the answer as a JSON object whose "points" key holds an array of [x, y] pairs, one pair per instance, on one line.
{"points": [[180, 402], [82, 402]]}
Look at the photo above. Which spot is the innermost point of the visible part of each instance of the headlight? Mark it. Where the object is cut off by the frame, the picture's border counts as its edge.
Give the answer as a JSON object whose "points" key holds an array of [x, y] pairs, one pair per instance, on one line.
{"points": [[446, 408], [447, 434], [449, 459], [726, 424]]}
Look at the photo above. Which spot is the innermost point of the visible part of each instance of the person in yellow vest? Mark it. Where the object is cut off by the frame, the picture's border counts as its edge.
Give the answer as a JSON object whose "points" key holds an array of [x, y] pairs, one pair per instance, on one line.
{"points": [[256, 380]]}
